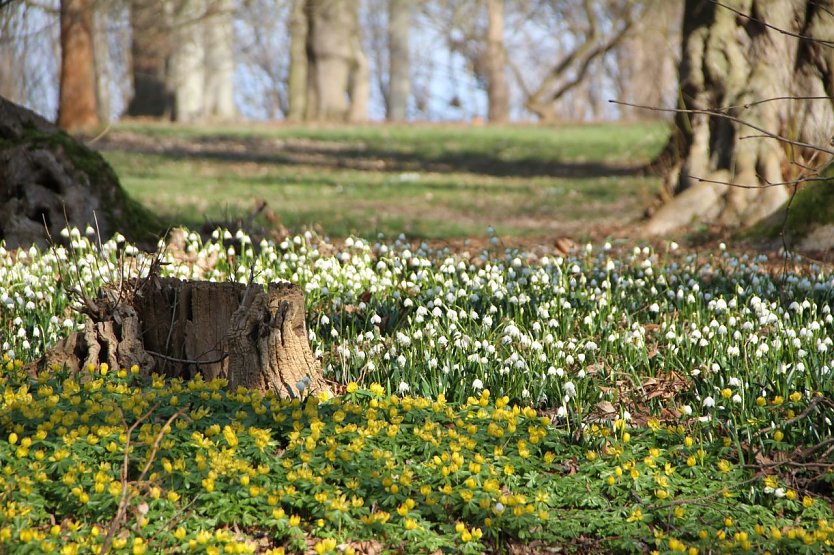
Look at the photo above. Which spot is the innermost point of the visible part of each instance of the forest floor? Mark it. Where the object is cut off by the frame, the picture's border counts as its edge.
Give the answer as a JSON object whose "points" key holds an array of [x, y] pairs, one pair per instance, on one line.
{"points": [[447, 182]]}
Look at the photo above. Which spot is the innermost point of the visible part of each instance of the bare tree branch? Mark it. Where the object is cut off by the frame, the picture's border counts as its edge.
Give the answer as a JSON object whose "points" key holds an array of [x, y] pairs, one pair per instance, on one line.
{"points": [[826, 43], [732, 118]]}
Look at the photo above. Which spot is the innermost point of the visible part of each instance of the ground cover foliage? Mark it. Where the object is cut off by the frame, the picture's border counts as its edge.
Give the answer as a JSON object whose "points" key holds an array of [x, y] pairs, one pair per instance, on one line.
{"points": [[617, 399]]}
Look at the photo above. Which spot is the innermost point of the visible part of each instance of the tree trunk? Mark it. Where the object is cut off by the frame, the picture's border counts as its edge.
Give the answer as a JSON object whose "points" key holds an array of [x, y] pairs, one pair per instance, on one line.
{"points": [[187, 75], [359, 81], [297, 73], [77, 103], [104, 77], [150, 46], [250, 336], [496, 64], [220, 63], [336, 66], [730, 59], [399, 67]]}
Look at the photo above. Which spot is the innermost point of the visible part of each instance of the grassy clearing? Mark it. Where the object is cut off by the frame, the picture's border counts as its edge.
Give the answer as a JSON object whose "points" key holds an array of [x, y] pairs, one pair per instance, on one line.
{"points": [[424, 181], [638, 400]]}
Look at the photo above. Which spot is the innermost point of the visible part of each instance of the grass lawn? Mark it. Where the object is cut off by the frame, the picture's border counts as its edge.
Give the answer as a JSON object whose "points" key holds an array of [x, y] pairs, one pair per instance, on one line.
{"points": [[425, 181]]}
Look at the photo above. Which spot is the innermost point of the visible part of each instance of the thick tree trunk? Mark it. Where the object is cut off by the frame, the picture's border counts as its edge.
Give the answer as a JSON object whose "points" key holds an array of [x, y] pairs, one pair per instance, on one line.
{"points": [[297, 73], [187, 75], [399, 66], [359, 82], [77, 109], [150, 47], [336, 67], [730, 59], [254, 337], [220, 63], [496, 66], [104, 77]]}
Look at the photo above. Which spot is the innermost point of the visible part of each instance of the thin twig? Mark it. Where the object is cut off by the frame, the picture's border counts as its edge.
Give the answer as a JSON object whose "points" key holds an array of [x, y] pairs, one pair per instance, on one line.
{"points": [[735, 119], [123, 498]]}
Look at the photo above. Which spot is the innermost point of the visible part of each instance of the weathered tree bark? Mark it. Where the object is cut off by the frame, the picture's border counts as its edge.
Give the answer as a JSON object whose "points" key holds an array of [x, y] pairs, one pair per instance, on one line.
{"points": [[496, 64], [48, 180], [736, 54], [399, 63], [254, 337], [219, 63], [77, 108], [150, 48], [297, 73], [336, 67]]}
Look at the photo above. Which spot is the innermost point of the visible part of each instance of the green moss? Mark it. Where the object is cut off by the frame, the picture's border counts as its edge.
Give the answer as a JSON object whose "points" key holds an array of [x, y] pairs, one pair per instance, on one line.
{"points": [[132, 219], [813, 205]]}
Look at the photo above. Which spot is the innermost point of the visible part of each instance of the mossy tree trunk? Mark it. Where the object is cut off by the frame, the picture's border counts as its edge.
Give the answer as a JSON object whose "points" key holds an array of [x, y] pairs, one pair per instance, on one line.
{"points": [[49, 180], [735, 54]]}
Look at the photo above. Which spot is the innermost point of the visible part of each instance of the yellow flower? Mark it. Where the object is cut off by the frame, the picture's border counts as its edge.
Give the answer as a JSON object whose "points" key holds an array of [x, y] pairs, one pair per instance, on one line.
{"points": [[807, 501], [636, 515], [795, 396], [377, 389], [724, 465], [778, 435], [726, 392], [352, 387]]}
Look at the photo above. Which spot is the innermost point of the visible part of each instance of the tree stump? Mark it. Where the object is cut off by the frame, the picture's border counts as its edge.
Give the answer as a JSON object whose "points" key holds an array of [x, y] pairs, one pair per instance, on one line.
{"points": [[252, 336]]}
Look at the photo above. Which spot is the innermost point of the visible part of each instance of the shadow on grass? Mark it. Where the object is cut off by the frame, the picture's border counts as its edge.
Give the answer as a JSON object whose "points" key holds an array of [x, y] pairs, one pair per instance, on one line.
{"points": [[357, 156]]}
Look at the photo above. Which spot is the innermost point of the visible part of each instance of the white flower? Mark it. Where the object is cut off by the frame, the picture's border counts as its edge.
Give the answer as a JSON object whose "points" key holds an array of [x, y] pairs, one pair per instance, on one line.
{"points": [[708, 402], [570, 389], [477, 384], [404, 387]]}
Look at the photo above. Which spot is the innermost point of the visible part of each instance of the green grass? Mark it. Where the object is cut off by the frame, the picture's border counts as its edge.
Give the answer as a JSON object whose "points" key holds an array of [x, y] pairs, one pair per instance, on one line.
{"points": [[424, 181]]}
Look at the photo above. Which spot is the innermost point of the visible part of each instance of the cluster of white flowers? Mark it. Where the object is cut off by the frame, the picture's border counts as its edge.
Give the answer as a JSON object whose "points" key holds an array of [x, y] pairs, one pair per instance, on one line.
{"points": [[562, 331]]}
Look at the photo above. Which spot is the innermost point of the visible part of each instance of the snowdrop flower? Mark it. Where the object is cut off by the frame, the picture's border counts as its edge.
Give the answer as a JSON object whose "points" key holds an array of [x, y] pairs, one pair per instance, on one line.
{"points": [[404, 387], [477, 384], [708, 402], [570, 389]]}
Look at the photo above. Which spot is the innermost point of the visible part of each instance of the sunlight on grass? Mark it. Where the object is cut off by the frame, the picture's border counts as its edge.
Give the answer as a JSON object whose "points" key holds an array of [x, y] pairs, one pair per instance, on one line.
{"points": [[425, 181]]}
